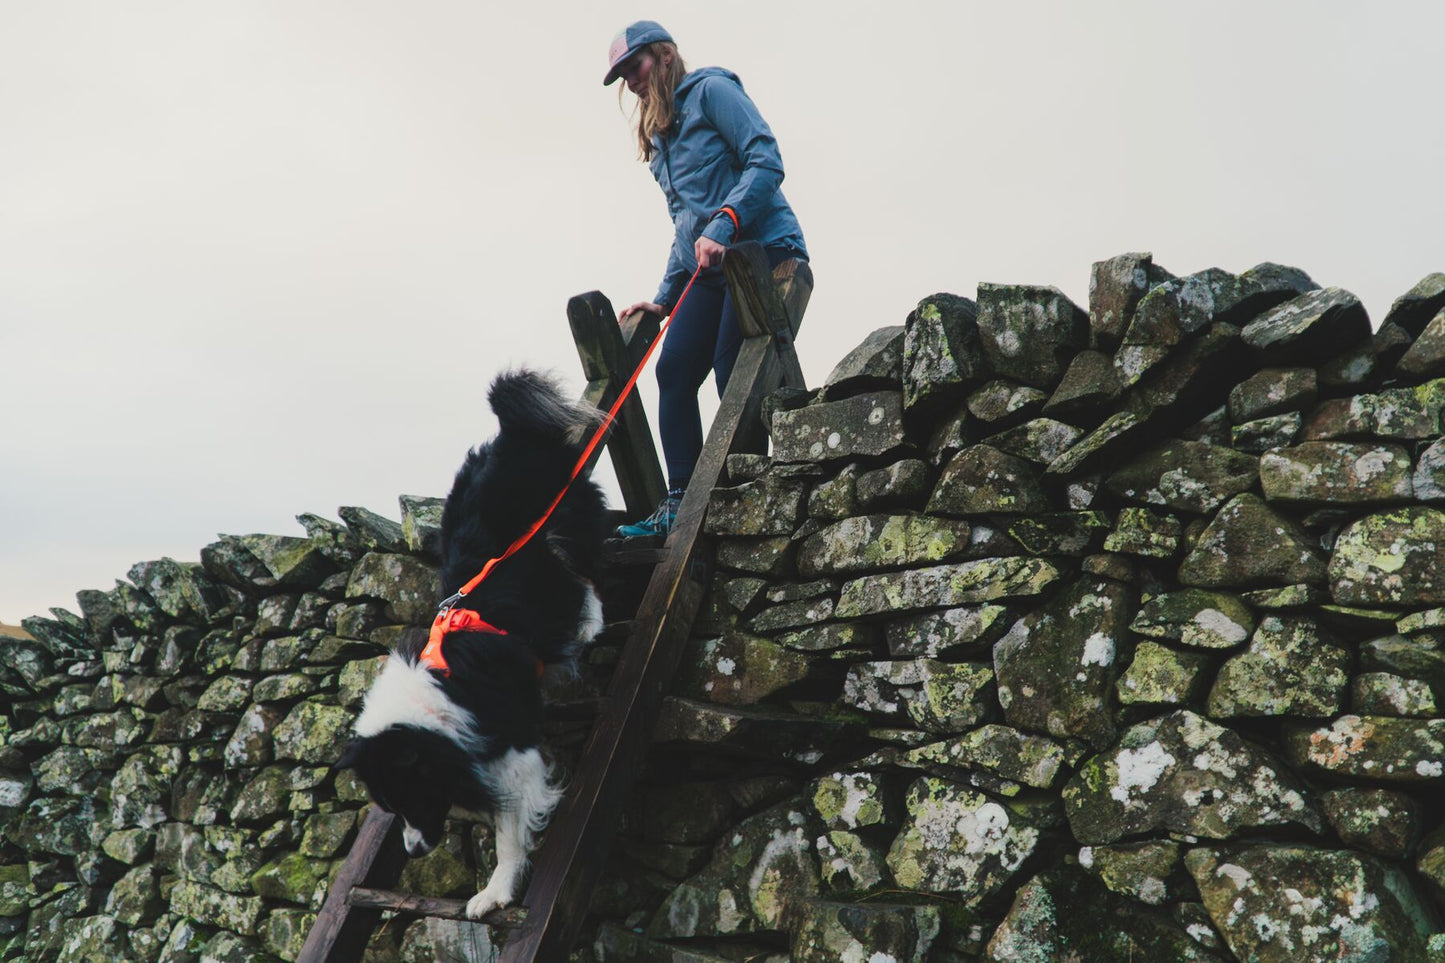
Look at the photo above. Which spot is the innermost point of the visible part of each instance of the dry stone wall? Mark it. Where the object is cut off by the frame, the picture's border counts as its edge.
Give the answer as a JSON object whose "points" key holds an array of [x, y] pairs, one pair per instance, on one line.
{"points": [[166, 790], [1042, 633], [1101, 635]]}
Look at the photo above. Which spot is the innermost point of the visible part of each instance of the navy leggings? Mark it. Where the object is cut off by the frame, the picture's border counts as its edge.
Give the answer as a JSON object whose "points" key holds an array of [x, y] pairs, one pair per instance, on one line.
{"points": [[703, 335]]}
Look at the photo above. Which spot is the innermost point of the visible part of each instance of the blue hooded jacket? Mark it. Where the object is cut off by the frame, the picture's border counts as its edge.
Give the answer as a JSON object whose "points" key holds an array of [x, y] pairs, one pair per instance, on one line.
{"points": [[719, 153]]}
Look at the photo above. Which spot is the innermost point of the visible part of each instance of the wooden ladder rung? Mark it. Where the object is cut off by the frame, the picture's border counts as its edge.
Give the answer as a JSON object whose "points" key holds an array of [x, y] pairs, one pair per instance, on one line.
{"points": [[447, 909], [575, 710], [647, 550]]}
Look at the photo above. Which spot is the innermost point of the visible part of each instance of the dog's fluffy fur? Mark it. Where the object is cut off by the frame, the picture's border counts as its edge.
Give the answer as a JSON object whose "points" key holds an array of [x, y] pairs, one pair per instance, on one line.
{"points": [[427, 742]]}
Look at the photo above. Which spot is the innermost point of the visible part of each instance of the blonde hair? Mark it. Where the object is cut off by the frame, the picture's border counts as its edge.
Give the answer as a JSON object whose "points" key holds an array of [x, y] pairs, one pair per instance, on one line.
{"points": [[655, 111]]}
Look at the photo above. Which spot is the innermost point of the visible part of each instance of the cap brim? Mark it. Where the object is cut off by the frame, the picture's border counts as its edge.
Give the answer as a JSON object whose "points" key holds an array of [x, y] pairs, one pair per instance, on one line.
{"points": [[616, 70]]}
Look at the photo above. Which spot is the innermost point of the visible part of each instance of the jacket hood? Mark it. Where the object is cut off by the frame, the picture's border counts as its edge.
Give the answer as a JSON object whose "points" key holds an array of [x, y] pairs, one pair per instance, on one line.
{"points": [[693, 76]]}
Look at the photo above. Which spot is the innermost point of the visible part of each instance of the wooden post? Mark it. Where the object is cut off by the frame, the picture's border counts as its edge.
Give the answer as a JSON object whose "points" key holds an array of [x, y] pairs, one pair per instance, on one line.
{"points": [[767, 308], [610, 353], [566, 868]]}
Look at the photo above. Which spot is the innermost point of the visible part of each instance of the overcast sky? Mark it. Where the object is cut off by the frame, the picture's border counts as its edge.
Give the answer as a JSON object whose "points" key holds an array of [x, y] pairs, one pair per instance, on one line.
{"points": [[262, 258]]}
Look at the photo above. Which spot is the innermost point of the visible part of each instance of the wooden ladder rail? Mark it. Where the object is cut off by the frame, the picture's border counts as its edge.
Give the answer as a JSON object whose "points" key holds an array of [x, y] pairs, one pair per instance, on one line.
{"points": [[375, 860], [569, 862]]}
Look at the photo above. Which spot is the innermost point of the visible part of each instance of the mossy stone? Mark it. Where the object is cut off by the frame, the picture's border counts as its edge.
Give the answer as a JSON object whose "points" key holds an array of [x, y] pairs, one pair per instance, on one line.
{"points": [[850, 800], [1196, 618], [956, 840], [313, 732], [1182, 773], [293, 879], [1018, 756], [1248, 544], [1279, 904], [1391, 558], [1290, 668], [940, 586]]}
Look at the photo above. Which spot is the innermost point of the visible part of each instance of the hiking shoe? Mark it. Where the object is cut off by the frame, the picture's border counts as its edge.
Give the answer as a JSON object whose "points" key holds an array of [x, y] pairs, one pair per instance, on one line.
{"points": [[658, 523]]}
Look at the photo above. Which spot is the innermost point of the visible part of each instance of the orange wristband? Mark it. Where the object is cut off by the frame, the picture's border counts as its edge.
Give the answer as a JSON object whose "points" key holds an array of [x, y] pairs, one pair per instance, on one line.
{"points": [[737, 228]]}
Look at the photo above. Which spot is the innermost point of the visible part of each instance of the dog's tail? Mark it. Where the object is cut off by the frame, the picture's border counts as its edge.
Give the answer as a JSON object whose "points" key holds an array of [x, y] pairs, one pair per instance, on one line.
{"points": [[530, 405]]}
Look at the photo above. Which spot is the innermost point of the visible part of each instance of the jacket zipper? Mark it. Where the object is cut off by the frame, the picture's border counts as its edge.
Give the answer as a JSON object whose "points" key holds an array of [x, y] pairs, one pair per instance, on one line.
{"points": [[667, 163]]}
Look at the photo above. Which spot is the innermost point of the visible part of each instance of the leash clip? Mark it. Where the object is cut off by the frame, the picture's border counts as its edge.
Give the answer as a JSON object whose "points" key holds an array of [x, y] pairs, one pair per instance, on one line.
{"points": [[431, 656]]}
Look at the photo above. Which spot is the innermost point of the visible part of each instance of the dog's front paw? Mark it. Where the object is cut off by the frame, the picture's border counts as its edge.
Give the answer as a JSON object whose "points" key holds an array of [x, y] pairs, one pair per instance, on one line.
{"points": [[493, 897]]}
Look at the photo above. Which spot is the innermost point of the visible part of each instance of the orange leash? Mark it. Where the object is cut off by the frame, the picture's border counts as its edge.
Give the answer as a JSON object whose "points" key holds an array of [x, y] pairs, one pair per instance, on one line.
{"points": [[445, 622]]}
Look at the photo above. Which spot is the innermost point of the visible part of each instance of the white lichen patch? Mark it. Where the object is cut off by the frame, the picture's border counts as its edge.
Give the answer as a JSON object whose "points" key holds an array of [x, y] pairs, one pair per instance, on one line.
{"points": [[683, 912], [1152, 891], [1216, 624], [13, 791], [1139, 769], [1429, 768], [984, 828], [1009, 343], [1216, 760], [782, 857], [1201, 934], [856, 795], [1265, 928], [1089, 604], [1272, 796], [1237, 875], [1098, 650], [729, 916], [1373, 463], [1175, 486], [1129, 359], [1300, 904]]}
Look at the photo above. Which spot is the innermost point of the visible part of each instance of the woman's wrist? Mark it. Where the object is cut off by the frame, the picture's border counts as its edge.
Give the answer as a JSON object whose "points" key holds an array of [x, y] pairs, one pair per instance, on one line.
{"points": [[721, 228]]}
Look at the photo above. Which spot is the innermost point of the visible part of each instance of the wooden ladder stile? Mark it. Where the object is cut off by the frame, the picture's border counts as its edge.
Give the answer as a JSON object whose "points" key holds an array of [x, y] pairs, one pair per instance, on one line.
{"points": [[770, 305], [610, 352], [567, 865], [375, 859]]}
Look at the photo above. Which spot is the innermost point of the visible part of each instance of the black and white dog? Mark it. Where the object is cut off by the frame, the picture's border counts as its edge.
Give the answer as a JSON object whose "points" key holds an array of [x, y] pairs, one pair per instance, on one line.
{"points": [[458, 724]]}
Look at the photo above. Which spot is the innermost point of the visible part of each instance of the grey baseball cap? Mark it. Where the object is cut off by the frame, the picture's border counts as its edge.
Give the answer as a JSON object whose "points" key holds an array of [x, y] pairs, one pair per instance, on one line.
{"points": [[628, 41]]}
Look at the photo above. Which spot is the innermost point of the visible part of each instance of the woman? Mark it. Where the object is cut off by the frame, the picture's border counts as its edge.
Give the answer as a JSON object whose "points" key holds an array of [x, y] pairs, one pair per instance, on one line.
{"points": [[719, 168]]}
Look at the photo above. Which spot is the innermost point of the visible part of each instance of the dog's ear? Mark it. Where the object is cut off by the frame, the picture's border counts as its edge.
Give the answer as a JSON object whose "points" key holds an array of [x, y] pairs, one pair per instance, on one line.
{"points": [[351, 756]]}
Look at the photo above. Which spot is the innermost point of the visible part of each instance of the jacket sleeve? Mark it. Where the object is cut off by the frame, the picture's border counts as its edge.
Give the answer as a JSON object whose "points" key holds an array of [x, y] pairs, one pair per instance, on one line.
{"points": [[735, 117]]}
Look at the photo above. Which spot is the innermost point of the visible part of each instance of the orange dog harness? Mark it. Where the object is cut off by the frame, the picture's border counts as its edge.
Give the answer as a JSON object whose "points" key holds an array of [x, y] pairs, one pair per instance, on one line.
{"points": [[452, 620]]}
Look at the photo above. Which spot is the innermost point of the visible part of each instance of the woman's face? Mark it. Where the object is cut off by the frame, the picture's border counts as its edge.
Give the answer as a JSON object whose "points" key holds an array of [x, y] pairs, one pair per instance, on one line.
{"points": [[635, 71]]}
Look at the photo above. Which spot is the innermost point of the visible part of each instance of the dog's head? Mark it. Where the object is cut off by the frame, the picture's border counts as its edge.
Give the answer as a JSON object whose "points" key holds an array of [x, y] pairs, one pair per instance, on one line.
{"points": [[413, 750], [414, 774]]}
